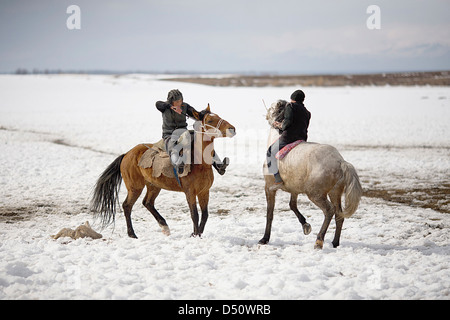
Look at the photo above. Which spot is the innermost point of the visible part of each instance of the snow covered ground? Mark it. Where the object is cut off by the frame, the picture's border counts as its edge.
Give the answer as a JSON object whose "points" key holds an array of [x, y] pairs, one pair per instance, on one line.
{"points": [[58, 133]]}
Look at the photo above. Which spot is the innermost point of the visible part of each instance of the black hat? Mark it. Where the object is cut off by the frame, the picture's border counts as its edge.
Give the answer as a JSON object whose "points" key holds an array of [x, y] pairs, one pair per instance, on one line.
{"points": [[298, 96], [174, 95]]}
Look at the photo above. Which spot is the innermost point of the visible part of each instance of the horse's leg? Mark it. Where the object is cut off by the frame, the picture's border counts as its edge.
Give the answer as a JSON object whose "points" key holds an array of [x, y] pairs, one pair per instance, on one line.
{"points": [[192, 202], [203, 200], [270, 198], [133, 195], [337, 234], [335, 197], [328, 210], [135, 183], [301, 218], [149, 203]]}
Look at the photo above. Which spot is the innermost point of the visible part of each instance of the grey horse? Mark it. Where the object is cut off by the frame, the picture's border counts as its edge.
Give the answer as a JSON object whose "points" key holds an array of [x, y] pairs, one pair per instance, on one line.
{"points": [[320, 172]]}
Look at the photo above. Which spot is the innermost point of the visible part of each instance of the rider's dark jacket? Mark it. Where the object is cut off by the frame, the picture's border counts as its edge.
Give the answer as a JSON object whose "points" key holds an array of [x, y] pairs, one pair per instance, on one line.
{"points": [[296, 122], [173, 120]]}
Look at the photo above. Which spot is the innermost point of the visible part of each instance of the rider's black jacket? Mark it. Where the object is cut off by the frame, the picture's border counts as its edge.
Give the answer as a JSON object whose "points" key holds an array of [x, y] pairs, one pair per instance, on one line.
{"points": [[296, 122]]}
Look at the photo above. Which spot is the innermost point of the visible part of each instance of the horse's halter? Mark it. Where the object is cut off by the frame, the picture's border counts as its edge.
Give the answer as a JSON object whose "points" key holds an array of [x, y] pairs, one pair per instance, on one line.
{"points": [[207, 127]]}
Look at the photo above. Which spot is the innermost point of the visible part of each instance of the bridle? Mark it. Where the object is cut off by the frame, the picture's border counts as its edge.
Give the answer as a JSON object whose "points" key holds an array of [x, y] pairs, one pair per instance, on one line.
{"points": [[207, 127]]}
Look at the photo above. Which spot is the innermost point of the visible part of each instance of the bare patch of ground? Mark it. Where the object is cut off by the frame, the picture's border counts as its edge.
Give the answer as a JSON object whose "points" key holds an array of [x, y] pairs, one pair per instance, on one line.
{"points": [[436, 198], [438, 78], [62, 142], [14, 214]]}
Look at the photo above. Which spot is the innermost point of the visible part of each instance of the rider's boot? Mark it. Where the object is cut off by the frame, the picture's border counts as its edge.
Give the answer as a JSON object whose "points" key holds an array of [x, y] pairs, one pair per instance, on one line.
{"points": [[219, 165], [177, 162], [279, 184]]}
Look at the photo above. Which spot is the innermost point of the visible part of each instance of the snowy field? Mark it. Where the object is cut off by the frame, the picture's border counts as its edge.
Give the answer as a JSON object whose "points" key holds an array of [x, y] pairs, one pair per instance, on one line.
{"points": [[58, 133]]}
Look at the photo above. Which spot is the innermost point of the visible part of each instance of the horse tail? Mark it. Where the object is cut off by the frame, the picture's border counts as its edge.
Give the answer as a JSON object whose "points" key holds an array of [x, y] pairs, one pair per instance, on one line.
{"points": [[106, 193], [353, 189]]}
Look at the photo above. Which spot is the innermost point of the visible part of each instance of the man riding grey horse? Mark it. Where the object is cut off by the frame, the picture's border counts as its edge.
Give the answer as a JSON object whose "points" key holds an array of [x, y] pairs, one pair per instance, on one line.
{"points": [[294, 127], [174, 113]]}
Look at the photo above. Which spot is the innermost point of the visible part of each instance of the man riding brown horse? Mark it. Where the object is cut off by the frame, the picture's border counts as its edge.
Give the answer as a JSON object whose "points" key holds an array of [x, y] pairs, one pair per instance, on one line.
{"points": [[195, 185]]}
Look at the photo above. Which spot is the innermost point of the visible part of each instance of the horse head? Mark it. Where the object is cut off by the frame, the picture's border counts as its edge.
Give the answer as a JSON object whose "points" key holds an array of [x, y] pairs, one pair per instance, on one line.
{"points": [[215, 127]]}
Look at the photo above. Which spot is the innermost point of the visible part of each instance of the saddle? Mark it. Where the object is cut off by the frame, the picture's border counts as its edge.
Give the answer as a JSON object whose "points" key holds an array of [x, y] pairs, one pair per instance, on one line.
{"points": [[158, 159], [285, 150]]}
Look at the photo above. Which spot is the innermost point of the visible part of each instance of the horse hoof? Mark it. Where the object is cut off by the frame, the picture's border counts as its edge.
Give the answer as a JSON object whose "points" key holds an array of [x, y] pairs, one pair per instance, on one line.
{"points": [[132, 235], [318, 245], [165, 230], [193, 235], [306, 228], [263, 241]]}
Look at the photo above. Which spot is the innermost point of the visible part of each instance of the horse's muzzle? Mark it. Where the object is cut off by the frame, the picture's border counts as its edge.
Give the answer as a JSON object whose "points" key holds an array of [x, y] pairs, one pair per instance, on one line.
{"points": [[231, 132]]}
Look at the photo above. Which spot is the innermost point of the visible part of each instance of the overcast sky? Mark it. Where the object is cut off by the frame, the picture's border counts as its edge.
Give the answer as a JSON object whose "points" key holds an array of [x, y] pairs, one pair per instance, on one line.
{"points": [[284, 36]]}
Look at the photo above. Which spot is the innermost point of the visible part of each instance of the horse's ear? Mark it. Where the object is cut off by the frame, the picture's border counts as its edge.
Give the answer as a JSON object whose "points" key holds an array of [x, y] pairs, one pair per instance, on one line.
{"points": [[208, 109]]}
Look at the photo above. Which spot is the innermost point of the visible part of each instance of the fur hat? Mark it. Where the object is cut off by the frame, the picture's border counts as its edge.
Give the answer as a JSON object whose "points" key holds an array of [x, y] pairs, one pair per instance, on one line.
{"points": [[298, 96]]}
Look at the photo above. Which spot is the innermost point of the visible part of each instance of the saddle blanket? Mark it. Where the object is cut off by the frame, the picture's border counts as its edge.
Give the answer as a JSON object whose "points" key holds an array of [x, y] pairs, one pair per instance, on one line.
{"points": [[285, 150], [158, 159]]}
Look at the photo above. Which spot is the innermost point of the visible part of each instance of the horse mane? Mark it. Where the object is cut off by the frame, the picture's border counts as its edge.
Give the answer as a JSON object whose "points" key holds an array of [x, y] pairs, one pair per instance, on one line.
{"points": [[205, 112], [276, 112]]}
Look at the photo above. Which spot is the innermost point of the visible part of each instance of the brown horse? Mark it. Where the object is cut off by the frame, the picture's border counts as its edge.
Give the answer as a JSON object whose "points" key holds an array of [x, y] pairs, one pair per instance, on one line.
{"points": [[195, 185]]}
